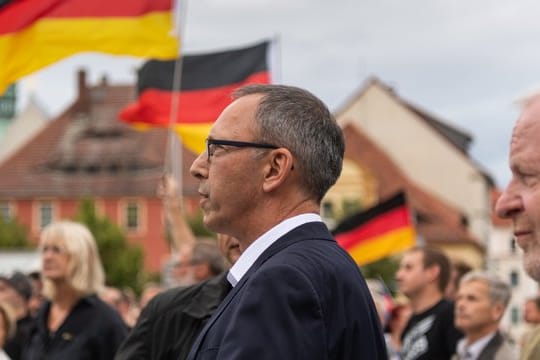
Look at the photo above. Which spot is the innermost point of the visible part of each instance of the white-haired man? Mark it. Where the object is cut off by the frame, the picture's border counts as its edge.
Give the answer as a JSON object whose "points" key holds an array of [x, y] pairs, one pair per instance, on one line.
{"points": [[520, 201]]}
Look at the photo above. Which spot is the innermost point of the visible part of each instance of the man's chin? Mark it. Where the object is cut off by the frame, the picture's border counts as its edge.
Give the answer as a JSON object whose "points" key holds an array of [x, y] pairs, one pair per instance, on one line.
{"points": [[531, 263]]}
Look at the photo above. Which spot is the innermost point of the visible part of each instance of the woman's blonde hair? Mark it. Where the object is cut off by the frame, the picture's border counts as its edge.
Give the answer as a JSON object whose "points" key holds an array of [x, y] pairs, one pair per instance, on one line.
{"points": [[10, 323], [86, 274]]}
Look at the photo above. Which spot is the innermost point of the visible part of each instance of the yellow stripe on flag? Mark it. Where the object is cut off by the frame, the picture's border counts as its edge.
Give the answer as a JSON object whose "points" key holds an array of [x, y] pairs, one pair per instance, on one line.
{"points": [[52, 39], [193, 136], [378, 247]]}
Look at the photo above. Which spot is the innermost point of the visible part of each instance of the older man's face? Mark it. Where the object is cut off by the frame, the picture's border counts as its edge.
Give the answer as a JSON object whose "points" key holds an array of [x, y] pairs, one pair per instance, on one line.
{"points": [[520, 201], [230, 178], [474, 309]]}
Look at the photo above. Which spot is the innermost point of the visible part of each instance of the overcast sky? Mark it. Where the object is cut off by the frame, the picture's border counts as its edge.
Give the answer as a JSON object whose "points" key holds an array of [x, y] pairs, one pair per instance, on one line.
{"points": [[464, 61]]}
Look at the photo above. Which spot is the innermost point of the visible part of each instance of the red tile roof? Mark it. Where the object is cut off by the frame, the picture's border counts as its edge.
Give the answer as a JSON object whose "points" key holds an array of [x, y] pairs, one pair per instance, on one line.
{"points": [[88, 151]]}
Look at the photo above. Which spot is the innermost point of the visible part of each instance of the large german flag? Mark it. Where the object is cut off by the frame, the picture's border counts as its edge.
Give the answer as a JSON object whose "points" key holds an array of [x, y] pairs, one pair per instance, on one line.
{"points": [[207, 82], [37, 33], [383, 230]]}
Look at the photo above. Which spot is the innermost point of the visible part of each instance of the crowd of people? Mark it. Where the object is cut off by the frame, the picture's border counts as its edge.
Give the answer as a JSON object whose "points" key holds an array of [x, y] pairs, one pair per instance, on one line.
{"points": [[275, 284]]}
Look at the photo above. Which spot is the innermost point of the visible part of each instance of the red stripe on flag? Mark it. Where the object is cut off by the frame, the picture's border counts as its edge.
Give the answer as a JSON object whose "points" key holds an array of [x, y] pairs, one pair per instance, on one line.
{"points": [[195, 107], [19, 14], [393, 220]]}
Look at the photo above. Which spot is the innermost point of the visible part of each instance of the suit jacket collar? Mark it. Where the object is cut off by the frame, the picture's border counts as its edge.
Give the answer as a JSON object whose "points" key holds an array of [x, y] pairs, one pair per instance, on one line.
{"points": [[208, 298], [491, 348], [308, 231]]}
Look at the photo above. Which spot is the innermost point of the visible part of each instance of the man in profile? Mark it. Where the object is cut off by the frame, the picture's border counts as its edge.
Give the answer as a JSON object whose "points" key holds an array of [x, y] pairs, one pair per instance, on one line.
{"points": [[423, 276], [271, 156], [480, 304], [520, 201]]}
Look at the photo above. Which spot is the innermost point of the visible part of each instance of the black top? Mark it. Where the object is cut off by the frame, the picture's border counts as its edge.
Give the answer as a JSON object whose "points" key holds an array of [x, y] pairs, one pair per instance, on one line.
{"points": [[431, 335], [15, 345], [92, 330], [169, 324]]}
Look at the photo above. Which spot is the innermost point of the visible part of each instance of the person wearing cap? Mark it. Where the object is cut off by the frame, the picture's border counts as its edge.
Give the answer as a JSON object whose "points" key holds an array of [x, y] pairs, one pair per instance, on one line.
{"points": [[16, 291]]}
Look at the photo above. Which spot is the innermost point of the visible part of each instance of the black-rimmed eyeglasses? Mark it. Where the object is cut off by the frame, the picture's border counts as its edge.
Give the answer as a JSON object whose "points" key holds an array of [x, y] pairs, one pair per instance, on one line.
{"points": [[212, 143]]}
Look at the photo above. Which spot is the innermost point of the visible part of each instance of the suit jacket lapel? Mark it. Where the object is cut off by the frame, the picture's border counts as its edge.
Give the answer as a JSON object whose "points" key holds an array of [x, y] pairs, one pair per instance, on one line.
{"points": [[491, 348], [301, 233]]}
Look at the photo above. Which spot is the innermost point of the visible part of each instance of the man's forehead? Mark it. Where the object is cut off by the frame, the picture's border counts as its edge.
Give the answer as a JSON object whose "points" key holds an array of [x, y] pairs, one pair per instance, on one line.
{"points": [[236, 119], [412, 257]]}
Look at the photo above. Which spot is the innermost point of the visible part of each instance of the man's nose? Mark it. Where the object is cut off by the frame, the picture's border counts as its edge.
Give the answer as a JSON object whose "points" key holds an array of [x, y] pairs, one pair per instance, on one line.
{"points": [[509, 203], [199, 167]]}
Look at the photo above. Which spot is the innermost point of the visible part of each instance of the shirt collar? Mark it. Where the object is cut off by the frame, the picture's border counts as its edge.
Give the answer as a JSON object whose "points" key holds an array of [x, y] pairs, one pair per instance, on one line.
{"points": [[475, 348], [253, 251]]}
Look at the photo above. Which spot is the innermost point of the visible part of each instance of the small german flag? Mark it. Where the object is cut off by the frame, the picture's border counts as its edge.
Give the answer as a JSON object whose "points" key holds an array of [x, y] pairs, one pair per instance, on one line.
{"points": [[207, 82], [383, 230]]}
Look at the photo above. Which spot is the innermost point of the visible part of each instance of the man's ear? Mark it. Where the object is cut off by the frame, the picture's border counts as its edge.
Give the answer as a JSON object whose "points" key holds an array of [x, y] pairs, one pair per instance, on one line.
{"points": [[433, 271], [278, 168]]}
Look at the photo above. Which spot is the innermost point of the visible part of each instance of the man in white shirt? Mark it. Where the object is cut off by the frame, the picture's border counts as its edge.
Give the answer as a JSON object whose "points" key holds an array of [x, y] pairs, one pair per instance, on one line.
{"points": [[271, 156], [480, 304]]}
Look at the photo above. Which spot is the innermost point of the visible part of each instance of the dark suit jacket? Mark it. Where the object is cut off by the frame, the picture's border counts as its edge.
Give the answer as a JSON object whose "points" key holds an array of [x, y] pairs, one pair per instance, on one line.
{"points": [[498, 348], [303, 298]]}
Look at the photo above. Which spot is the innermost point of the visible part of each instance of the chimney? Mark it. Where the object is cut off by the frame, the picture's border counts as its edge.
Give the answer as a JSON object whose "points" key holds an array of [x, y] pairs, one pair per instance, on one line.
{"points": [[83, 100], [104, 81]]}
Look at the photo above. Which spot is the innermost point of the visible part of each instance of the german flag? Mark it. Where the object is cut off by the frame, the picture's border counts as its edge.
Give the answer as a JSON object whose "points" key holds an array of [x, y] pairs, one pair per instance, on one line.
{"points": [[37, 33], [383, 230], [207, 82]]}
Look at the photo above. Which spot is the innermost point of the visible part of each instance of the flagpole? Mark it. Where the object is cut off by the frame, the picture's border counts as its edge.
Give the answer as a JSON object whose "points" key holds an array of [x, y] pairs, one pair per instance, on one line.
{"points": [[173, 159], [275, 59]]}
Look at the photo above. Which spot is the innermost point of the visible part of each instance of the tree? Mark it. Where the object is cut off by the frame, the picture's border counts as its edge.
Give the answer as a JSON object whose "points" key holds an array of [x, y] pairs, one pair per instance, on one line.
{"points": [[12, 234], [122, 262], [384, 269]]}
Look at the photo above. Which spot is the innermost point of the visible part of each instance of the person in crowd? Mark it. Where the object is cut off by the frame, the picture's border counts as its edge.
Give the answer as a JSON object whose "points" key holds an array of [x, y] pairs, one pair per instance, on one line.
{"points": [[393, 316], [150, 290], [531, 316], [520, 200], [7, 327], [178, 271], [480, 305], [122, 302], [399, 317], [203, 262], [459, 268], [423, 276], [169, 324], [271, 156], [73, 323], [16, 291], [531, 313], [36, 300]]}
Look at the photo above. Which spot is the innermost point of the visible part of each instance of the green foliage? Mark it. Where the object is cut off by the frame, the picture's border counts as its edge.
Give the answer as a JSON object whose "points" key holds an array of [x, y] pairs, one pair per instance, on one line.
{"points": [[123, 263], [197, 226], [350, 207], [384, 269], [12, 234]]}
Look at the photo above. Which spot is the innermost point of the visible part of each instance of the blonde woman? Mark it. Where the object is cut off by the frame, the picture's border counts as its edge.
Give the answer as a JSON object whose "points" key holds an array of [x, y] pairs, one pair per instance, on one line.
{"points": [[7, 327], [73, 323]]}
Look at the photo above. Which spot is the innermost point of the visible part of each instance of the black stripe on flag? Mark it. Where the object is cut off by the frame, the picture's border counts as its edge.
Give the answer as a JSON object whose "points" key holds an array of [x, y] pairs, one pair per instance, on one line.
{"points": [[206, 70]]}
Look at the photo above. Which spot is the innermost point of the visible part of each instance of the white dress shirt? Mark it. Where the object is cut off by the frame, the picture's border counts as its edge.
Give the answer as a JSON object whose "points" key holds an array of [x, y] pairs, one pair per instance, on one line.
{"points": [[252, 253]]}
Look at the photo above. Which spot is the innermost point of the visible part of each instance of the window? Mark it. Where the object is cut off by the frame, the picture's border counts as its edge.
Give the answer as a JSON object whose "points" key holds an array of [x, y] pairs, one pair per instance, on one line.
{"points": [[132, 215], [514, 278], [514, 315], [45, 213], [513, 247], [5, 210]]}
